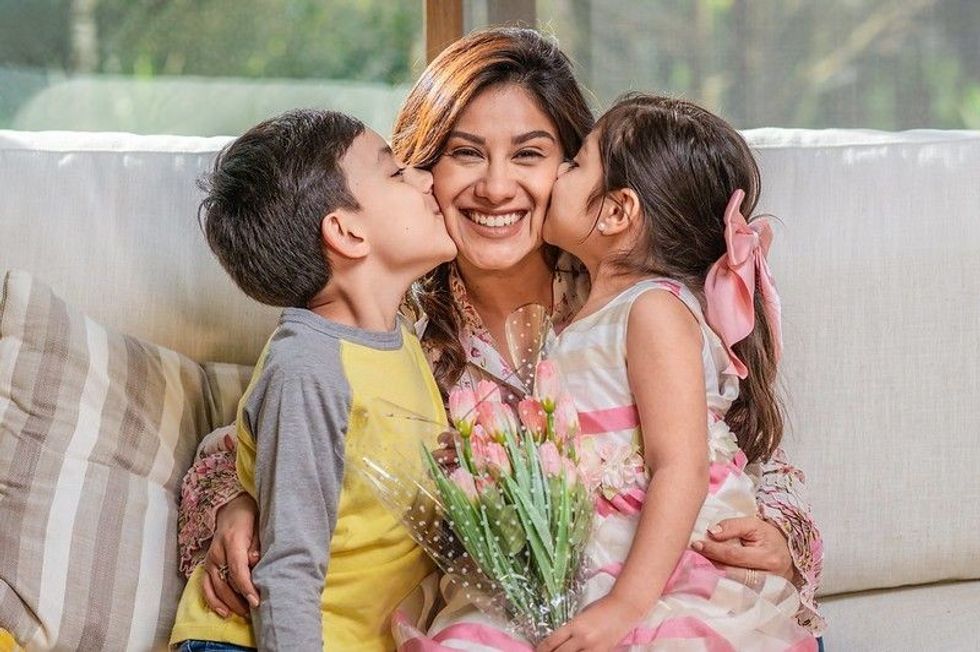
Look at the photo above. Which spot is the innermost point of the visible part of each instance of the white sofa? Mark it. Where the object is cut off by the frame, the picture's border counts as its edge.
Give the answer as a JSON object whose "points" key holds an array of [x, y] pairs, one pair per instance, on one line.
{"points": [[877, 259]]}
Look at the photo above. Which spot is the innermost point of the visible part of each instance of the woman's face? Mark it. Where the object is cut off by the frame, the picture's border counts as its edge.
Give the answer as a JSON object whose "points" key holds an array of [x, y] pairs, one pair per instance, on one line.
{"points": [[495, 175]]}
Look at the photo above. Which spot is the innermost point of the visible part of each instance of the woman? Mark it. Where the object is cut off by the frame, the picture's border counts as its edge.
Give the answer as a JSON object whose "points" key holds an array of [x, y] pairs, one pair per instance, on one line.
{"points": [[493, 117]]}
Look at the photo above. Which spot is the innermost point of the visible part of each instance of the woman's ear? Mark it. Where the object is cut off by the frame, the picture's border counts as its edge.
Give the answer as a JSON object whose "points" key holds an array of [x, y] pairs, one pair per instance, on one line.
{"points": [[341, 234], [621, 211]]}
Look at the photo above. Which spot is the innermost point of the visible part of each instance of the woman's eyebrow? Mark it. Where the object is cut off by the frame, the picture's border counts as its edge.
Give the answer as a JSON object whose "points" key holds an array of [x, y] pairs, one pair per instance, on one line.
{"points": [[531, 135], [516, 140]]}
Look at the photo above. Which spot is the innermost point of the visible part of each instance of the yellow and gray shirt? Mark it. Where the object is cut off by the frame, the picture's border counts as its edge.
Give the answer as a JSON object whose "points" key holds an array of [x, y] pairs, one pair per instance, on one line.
{"points": [[320, 392]]}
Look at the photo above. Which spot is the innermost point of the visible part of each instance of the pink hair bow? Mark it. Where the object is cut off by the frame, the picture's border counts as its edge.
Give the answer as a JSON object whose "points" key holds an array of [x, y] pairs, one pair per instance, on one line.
{"points": [[730, 286]]}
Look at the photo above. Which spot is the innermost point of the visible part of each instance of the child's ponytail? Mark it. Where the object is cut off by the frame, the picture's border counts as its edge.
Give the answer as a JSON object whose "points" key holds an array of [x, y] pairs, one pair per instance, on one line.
{"points": [[756, 416]]}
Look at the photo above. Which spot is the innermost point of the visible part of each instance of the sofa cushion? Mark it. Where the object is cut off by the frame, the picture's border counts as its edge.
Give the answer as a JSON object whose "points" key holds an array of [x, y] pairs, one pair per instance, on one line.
{"points": [[876, 258], [111, 221], [96, 431], [929, 617], [228, 382]]}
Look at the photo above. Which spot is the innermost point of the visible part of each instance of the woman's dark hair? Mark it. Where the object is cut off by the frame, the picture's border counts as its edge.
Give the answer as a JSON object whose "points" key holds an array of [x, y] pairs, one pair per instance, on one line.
{"points": [[267, 194], [483, 59], [685, 163]]}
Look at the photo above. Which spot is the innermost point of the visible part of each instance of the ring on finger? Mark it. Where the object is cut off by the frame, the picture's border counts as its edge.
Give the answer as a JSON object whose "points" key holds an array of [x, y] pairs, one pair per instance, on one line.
{"points": [[223, 572]]}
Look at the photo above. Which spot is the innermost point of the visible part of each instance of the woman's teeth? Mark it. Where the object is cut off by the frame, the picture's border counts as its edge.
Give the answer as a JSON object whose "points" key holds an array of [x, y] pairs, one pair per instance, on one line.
{"points": [[495, 220]]}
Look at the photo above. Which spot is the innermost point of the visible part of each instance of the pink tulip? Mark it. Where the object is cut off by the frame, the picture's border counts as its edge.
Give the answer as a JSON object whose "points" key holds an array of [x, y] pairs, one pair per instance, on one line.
{"points": [[462, 410], [497, 461], [497, 419], [488, 392], [533, 417], [464, 480], [550, 458], [571, 472], [491, 457], [566, 419], [547, 384], [480, 435]]}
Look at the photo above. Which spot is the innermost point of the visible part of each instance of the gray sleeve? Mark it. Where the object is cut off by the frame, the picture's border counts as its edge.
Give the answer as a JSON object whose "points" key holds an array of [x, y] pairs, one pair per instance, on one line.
{"points": [[299, 420]]}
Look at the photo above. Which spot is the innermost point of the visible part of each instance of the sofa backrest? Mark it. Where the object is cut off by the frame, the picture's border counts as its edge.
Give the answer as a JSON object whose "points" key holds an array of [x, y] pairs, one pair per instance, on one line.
{"points": [[877, 259], [109, 221]]}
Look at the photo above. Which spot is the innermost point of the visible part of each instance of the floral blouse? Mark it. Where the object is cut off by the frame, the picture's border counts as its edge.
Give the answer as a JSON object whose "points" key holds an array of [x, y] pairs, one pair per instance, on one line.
{"points": [[211, 482]]}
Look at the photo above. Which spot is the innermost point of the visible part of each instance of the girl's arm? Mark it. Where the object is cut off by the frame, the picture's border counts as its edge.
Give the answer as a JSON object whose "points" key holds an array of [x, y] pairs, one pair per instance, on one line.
{"points": [[666, 377]]}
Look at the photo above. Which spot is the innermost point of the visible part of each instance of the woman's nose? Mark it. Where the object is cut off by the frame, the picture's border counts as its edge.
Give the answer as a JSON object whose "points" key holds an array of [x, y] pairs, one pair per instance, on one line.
{"points": [[496, 186]]}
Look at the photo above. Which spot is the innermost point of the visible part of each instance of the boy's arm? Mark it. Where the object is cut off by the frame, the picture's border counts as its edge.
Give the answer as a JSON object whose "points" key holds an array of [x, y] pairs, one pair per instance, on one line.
{"points": [[299, 426]]}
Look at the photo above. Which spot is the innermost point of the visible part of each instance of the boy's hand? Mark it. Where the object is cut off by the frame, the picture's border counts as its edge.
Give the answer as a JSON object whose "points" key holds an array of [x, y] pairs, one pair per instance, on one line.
{"points": [[234, 550], [445, 455], [600, 627]]}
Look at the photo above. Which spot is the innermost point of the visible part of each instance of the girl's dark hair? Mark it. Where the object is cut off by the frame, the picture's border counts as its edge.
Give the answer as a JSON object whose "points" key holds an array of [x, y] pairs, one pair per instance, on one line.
{"points": [[685, 163], [266, 197], [471, 65]]}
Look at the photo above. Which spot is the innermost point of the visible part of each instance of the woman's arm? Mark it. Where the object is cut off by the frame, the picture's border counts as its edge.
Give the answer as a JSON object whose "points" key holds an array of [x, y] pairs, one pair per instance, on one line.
{"points": [[216, 525], [783, 502], [785, 540]]}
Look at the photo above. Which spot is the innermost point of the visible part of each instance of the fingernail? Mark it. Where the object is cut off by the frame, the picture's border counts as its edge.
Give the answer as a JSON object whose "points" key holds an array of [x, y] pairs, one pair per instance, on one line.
{"points": [[697, 545], [223, 613], [715, 530], [253, 599]]}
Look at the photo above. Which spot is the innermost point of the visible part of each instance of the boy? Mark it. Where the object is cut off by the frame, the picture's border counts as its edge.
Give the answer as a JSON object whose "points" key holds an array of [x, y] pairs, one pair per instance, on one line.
{"points": [[310, 211]]}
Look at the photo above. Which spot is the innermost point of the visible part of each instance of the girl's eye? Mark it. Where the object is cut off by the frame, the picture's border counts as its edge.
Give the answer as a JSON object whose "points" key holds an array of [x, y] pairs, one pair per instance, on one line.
{"points": [[571, 163]]}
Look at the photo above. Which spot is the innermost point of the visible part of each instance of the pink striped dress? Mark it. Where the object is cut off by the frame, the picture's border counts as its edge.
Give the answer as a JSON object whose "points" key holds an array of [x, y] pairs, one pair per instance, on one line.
{"points": [[702, 608]]}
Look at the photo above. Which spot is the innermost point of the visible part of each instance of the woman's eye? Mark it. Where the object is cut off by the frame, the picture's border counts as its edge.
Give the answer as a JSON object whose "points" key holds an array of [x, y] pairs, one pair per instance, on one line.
{"points": [[571, 163], [398, 173], [529, 154], [464, 153]]}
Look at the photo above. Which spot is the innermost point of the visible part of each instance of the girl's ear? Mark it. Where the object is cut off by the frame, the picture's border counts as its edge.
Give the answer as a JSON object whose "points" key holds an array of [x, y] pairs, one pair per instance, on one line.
{"points": [[342, 235], [620, 212]]}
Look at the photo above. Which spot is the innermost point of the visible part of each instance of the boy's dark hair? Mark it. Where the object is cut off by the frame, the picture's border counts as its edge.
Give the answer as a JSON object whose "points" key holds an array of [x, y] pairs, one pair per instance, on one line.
{"points": [[266, 197]]}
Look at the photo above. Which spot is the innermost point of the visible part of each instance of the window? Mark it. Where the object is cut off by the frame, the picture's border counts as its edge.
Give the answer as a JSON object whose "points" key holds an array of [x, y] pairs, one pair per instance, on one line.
{"points": [[884, 64], [202, 67]]}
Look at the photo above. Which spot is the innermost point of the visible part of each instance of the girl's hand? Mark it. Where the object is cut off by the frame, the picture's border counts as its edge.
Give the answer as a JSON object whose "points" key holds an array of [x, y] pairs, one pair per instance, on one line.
{"points": [[601, 626], [748, 544], [234, 550]]}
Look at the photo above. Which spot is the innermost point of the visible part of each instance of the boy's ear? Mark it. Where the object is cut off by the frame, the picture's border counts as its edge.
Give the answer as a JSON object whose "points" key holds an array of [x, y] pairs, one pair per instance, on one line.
{"points": [[342, 235], [620, 212]]}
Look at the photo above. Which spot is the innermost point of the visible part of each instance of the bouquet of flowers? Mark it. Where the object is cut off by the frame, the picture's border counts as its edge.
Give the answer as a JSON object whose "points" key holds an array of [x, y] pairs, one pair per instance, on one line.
{"points": [[508, 518]]}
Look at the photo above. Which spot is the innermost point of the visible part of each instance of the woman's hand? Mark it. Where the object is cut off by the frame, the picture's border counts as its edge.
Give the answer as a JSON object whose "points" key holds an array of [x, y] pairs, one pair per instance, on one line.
{"points": [[600, 627], [228, 565], [748, 544]]}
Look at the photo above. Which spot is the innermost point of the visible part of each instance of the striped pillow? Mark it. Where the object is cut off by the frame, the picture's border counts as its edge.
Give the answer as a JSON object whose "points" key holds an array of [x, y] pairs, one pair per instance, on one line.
{"points": [[96, 431], [228, 382]]}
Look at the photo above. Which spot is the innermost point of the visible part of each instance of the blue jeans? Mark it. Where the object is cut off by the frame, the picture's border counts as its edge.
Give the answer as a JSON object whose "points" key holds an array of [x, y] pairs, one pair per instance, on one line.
{"points": [[211, 646]]}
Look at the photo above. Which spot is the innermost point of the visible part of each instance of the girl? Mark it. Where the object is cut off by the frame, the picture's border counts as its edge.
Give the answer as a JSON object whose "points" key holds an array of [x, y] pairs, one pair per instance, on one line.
{"points": [[672, 364]]}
